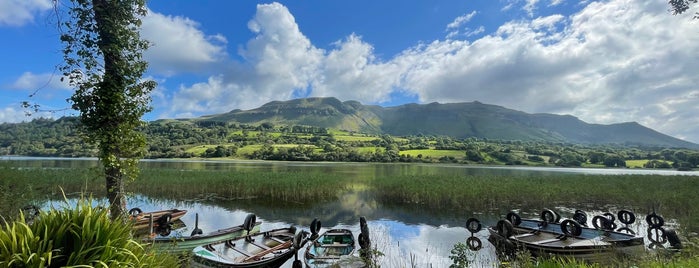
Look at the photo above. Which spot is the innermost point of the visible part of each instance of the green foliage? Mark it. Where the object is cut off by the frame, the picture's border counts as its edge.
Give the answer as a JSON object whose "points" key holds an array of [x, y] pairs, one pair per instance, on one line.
{"points": [[75, 236], [459, 256], [103, 62]]}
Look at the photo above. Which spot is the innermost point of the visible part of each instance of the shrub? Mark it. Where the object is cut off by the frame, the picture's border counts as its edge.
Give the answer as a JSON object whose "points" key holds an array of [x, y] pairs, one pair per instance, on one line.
{"points": [[79, 236]]}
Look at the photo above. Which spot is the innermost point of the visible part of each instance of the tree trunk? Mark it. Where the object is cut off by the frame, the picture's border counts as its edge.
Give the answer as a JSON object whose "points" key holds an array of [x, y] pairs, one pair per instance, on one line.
{"points": [[115, 192]]}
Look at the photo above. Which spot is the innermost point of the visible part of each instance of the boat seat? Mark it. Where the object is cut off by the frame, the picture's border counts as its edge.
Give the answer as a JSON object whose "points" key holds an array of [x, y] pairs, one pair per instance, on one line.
{"points": [[241, 251], [333, 245], [547, 241], [335, 234], [277, 239], [262, 246], [328, 257], [524, 235]]}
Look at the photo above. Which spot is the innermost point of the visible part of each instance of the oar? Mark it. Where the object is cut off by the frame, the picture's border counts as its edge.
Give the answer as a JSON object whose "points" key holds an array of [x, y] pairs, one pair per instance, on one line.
{"points": [[286, 244]]}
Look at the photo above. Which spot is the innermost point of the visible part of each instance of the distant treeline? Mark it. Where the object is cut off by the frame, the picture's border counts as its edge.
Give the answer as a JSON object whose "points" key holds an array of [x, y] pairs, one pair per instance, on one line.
{"points": [[266, 141]]}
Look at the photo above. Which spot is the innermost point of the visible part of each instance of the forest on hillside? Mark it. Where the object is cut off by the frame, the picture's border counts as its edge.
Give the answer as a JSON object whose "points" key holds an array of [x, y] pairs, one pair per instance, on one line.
{"points": [[213, 139]]}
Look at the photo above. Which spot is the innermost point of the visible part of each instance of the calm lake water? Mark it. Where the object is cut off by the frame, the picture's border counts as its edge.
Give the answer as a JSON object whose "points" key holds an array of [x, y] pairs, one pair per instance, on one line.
{"points": [[407, 236]]}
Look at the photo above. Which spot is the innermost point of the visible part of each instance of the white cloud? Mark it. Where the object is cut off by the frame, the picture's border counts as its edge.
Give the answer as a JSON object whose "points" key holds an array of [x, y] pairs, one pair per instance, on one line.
{"points": [[16, 114], [178, 45], [20, 12], [30, 81], [613, 61], [461, 20]]}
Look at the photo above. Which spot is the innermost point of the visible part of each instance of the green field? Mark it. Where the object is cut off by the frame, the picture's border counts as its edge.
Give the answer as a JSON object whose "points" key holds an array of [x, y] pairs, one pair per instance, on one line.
{"points": [[458, 154]]}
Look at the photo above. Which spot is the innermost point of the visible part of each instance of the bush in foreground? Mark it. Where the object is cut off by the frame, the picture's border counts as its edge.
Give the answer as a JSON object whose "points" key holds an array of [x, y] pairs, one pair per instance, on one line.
{"points": [[75, 236]]}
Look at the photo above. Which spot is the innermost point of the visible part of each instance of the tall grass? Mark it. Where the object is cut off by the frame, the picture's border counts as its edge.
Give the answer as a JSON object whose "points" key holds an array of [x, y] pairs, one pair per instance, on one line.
{"points": [[275, 186]]}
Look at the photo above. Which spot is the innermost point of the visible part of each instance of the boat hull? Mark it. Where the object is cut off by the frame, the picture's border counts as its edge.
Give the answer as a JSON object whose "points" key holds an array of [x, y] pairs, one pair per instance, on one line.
{"points": [[188, 243], [143, 219]]}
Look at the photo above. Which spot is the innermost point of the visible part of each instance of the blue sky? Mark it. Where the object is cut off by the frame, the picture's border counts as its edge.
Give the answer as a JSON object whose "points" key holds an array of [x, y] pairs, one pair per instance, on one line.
{"points": [[601, 61]]}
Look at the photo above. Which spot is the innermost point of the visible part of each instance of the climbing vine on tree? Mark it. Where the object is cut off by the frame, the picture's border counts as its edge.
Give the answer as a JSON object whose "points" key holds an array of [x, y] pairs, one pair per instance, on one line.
{"points": [[103, 62]]}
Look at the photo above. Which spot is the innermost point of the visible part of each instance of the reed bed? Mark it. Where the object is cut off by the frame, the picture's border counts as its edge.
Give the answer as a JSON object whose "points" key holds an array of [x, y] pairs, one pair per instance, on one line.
{"points": [[298, 187], [673, 196]]}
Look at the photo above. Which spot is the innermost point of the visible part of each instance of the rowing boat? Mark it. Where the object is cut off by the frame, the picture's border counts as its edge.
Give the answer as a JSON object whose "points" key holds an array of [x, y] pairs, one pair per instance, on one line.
{"points": [[197, 238], [265, 249], [565, 238]]}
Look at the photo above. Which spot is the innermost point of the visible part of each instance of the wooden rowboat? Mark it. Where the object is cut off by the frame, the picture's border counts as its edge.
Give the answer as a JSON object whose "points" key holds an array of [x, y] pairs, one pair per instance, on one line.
{"points": [[330, 248], [265, 249], [159, 218], [566, 238], [197, 238]]}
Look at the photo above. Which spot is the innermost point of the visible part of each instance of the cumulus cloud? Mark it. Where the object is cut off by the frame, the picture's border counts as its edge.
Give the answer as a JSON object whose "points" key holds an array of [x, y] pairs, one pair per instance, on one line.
{"points": [[178, 45], [21, 12], [610, 62], [32, 81]]}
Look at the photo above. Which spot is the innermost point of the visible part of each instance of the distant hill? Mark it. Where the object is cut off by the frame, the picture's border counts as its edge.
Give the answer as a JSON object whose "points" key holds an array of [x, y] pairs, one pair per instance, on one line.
{"points": [[458, 120]]}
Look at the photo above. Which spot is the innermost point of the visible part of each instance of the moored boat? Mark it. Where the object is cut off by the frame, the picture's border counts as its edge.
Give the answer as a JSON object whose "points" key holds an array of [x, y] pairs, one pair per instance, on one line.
{"points": [[198, 238], [155, 219], [330, 247], [265, 249], [565, 238]]}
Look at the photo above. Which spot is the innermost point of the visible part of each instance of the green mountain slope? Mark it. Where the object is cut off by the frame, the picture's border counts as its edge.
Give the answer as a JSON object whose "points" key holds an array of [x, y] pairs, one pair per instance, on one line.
{"points": [[458, 120]]}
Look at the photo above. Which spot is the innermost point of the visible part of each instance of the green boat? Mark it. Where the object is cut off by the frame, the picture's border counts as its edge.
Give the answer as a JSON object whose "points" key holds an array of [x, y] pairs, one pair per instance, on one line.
{"points": [[197, 238]]}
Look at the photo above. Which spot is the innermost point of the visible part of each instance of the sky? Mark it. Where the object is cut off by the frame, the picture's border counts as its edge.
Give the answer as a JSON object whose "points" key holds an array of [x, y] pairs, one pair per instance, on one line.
{"points": [[601, 61]]}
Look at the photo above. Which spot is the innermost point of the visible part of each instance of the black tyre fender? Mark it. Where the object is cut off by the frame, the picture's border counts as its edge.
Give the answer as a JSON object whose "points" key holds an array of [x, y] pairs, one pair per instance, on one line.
{"points": [[299, 239], [249, 222], [601, 222], [315, 226], [571, 227], [609, 216], [473, 225], [580, 217], [654, 220], [626, 217], [673, 238], [196, 231], [657, 235], [164, 220], [135, 211], [514, 218], [548, 215], [364, 241], [626, 230], [504, 228], [363, 226], [474, 243], [297, 264]]}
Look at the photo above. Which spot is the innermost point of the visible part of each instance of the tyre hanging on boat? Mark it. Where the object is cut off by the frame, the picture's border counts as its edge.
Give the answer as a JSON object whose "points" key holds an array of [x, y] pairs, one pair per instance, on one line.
{"points": [[626, 217], [135, 211], [581, 217], [514, 218], [315, 227], [654, 220], [249, 222], [550, 216], [473, 225], [571, 227], [504, 228]]}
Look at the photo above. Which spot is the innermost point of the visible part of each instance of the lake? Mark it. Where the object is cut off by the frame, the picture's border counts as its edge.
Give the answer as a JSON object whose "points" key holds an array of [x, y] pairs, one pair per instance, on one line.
{"points": [[408, 236]]}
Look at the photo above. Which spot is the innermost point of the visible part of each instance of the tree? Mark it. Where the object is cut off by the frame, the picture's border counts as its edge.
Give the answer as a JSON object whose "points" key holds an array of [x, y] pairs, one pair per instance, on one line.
{"points": [[680, 6], [103, 62]]}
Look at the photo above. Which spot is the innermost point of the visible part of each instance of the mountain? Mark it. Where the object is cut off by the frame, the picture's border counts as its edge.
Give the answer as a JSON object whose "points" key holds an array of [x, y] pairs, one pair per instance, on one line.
{"points": [[458, 120]]}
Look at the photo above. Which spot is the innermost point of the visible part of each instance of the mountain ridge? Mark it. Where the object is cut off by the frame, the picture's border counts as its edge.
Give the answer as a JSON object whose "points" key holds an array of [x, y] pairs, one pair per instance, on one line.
{"points": [[458, 120]]}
